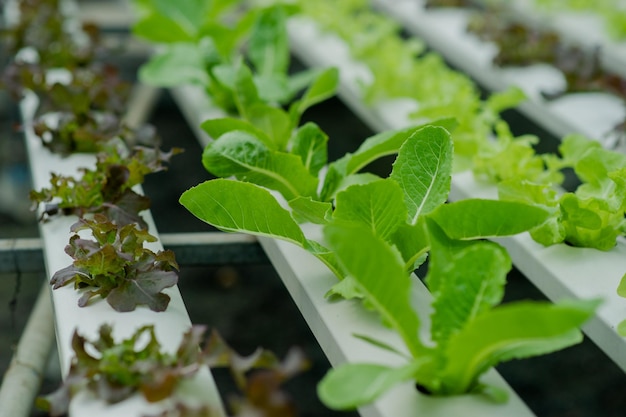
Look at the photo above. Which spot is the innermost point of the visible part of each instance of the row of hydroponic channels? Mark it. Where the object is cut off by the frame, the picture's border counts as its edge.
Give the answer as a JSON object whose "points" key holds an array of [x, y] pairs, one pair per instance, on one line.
{"points": [[396, 220]]}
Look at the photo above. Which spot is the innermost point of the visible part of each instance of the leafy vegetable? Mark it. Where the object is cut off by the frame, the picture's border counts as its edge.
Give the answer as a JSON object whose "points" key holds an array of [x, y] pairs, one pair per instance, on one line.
{"points": [[593, 215], [107, 188], [242, 155], [467, 281], [239, 206], [41, 27], [378, 205], [423, 170], [114, 371], [520, 45], [117, 267], [204, 47], [402, 69]]}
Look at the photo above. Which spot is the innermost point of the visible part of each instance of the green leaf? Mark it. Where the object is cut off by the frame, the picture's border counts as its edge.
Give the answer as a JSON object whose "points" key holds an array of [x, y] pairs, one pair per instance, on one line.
{"points": [[321, 89], [590, 222], [235, 206], [471, 283], [242, 155], [187, 15], [273, 121], [305, 209], [310, 143], [621, 289], [246, 93], [574, 147], [413, 243], [386, 143], [442, 252], [268, 48], [161, 29], [596, 164], [514, 331], [378, 205], [345, 289], [178, 64], [217, 127], [352, 385], [477, 218], [423, 170], [380, 273]]}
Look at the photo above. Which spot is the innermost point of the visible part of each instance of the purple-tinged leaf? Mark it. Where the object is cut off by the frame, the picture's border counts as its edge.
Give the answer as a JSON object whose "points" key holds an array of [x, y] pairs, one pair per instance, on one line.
{"points": [[144, 288]]}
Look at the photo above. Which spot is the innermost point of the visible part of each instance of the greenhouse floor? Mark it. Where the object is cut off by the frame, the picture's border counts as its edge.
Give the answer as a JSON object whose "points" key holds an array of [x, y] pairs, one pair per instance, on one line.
{"points": [[248, 303]]}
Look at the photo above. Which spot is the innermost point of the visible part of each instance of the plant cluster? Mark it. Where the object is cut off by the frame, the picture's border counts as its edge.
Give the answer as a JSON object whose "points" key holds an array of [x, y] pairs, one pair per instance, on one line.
{"points": [[114, 370], [81, 100], [108, 188], [520, 44], [80, 110], [611, 12], [491, 151], [118, 266], [270, 191], [592, 215], [403, 68], [274, 177], [83, 114], [406, 216]]}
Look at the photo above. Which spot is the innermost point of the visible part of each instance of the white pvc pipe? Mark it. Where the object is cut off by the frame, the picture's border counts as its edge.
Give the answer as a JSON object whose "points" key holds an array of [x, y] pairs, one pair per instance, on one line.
{"points": [[22, 380]]}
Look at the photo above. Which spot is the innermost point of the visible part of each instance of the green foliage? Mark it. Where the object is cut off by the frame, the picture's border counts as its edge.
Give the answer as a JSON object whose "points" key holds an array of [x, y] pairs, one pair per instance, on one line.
{"points": [[241, 155], [401, 68], [203, 47], [593, 215], [243, 207], [107, 188], [607, 10], [423, 169], [470, 333], [117, 267], [477, 218]]}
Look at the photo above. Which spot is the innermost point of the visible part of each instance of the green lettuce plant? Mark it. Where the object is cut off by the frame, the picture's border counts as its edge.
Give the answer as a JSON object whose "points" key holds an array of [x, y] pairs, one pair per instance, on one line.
{"points": [[402, 68], [469, 333], [591, 216], [208, 53], [394, 207]]}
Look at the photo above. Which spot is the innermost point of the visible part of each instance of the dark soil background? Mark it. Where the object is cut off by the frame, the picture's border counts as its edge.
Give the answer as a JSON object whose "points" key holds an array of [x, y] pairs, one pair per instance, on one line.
{"points": [[248, 303]]}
